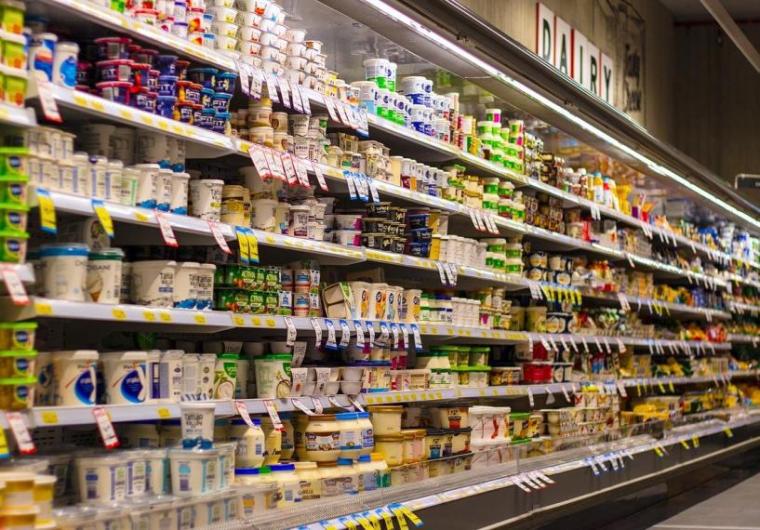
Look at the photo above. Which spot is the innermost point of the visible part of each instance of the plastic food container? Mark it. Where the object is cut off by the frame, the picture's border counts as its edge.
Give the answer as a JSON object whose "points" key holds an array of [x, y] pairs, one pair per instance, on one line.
{"points": [[17, 336], [537, 372], [65, 271], [124, 376], [102, 478], [391, 446], [505, 375], [386, 419], [273, 379], [194, 472], [152, 283], [116, 91]]}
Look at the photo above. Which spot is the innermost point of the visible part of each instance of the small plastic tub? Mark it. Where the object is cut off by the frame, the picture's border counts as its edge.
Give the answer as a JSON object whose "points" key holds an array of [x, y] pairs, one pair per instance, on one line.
{"points": [[14, 84], [206, 97], [110, 48], [141, 99], [17, 393], [188, 92], [17, 336], [221, 102], [204, 76], [194, 472], [185, 111], [17, 363], [225, 83], [13, 217], [207, 119], [167, 85], [114, 70], [219, 123], [13, 246], [347, 237], [116, 91], [181, 67], [348, 221], [140, 75], [153, 76], [165, 106], [102, 478], [167, 64]]}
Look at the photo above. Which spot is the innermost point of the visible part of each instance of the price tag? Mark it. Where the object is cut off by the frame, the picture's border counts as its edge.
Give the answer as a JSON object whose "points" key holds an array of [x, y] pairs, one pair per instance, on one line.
{"points": [[305, 100], [477, 222], [371, 333], [47, 100], [362, 186], [296, 94], [451, 272], [621, 389], [345, 334], [543, 477], [272, 411], [727, 431], [331, 343], [4, 451], [244, 77], [695, 441], [167, 233], [395, 336], [404, 336], [330, 104], [104, 217], [242, 410], [259, 159], [564, 393], [442, 272], [271, 81], [359, 334], [303, 408], [517, 482], [242, 238], [253, 245], [20, 433], [344, 114], [351, 184], [417, 338], [384, 333], [257, 81], [284, 91], [275, 165], [290, 171], [107, 432], [400, 518], [320, 176], [624, 305], [530, 398], [15, 286], [47, 211], [218, 237], [373, 191], [301, 173], [291, 333]]}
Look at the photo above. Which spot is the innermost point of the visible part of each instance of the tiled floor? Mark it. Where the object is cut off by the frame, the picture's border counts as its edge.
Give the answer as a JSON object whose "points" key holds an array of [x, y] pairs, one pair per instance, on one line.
{"points": [[737, 508]]}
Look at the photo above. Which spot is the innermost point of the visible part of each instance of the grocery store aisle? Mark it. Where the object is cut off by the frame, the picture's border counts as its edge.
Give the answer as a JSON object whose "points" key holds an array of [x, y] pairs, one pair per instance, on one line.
{"points": [[736, 508]]}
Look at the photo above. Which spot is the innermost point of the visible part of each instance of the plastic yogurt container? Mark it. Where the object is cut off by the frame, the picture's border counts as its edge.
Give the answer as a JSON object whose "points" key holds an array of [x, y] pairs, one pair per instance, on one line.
{"points": [[65, 271], [103, 284], [152, 282], [74, 376], [124, 376]]}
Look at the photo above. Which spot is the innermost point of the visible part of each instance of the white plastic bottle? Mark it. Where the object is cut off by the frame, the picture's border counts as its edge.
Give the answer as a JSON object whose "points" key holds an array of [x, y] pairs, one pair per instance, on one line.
{"points": [[251, 443]]}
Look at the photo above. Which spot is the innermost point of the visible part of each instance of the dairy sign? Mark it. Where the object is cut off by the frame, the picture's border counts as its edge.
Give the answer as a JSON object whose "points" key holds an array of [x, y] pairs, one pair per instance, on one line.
{"points": [[570, 52]]}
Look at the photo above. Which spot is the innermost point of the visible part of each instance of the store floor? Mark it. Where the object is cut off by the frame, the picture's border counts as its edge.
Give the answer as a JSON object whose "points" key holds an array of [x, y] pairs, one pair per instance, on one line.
{"points": [[722, 496]]}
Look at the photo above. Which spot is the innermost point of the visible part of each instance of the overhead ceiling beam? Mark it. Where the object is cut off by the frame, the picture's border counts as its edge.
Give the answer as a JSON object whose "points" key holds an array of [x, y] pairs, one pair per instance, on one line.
{"points": [[724, 20]]}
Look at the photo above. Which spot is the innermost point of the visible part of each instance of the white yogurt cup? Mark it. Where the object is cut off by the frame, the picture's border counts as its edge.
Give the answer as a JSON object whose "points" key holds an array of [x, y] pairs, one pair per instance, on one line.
{"points": [[158, 471], [152, 283], [104, 276], [299, 219], [112, 185], [74, 376], [197, 420], [206, 371], [179, 190], [194, 472], [190, 374], [185, 284], [170, 374], [65, 271], [147, 185], [204, 297], [206, 198], [164, 191], [137, 472], [350, 238], [124, 376], [102, 478], [264, 214]]}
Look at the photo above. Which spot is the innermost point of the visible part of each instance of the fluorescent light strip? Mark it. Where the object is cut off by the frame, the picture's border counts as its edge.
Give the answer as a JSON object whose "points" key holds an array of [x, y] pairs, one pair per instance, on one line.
{"points": [[400, 17]]}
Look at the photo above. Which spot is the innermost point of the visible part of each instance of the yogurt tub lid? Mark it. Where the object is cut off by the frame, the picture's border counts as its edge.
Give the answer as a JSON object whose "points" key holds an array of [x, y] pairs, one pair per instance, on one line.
{"points": [[104, 459], [110, 62], [106, 254], [18, 325], [282, 467], [180, 452], [241, 421], [10, 381], [248, 471], [120, 84], [519, 415], [346, 416], [45, 480], [209, 266], [18, 353], [188, 265], [64, 250], [197, 404], [17, 476]]}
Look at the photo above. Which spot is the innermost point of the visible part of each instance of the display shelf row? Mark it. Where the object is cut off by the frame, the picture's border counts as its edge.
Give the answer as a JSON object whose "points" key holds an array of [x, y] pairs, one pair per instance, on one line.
{"points": [[737, 338], [608, 459], [741, 308], [78, 415], [187, 320], [214, 144], [659, 307]]}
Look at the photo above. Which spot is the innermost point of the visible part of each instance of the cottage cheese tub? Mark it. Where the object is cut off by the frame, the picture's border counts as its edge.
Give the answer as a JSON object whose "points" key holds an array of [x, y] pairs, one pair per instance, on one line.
{"points": [[102, 478], [124, 376], [197, 419], [104, 276], [184, 289], [74, 377], [153, 283], [64, 271], [206, 198], [194, 472]]}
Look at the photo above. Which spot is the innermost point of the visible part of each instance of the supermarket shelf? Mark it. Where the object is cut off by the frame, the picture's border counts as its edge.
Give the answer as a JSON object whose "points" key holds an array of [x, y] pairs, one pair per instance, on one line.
{"points": [[185, 224], [163, 410], [489, 496], [744, 281], [88, 10], [737, 307], [16, 116], [744, 339], [25, 271], [201, 142], [652, 306]]}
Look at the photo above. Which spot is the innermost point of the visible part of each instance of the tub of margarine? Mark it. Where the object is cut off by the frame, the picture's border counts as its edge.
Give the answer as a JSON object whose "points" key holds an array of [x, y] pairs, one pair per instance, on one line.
{"points": [[194, 471], [102, 478], [17, 335], [17, 393], [17, 363], [19, 490]]}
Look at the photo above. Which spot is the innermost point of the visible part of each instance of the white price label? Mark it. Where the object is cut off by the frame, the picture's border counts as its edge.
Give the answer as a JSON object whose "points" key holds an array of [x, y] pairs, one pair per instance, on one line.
{"points": [[47, 99], [20, 433], [395, 336], [305, 100], [331, 343], [107, 432], [330, 104], [373, 191], [417, 337], [242, 410], [303, 175], [303, 408], [384, 333], [442, 272], [451, 273], [15, 286], [289, 169], [404, 336], [272, 87], [167, 233], [259, 159], [476, 220], [291, 331], [371, 333], [345, 334], [351, 184], [317, 332], [284, 91], [296, 94], [320, 176], [273, 415], [218, 237], [530, 398], [359, 334], [244, 77]]}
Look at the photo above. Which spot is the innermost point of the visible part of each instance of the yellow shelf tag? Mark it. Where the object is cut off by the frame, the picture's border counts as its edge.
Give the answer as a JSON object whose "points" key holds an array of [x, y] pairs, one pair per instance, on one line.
{"points": [[149, 315], [103, 216], [47, 211], [163, 413], [728, 432], [43, 309], [49, 417], [242, 239], [253, 246], [119, 313], [199, 318]]}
